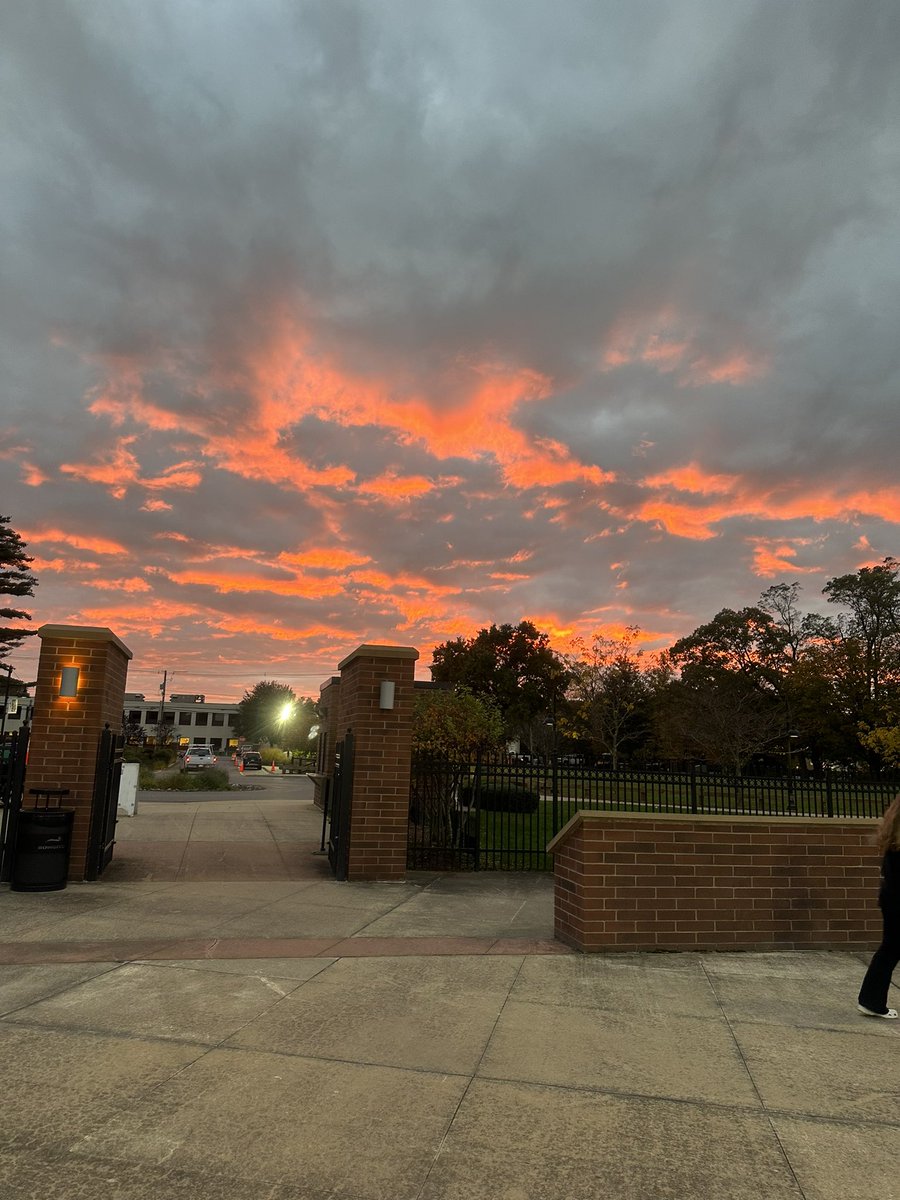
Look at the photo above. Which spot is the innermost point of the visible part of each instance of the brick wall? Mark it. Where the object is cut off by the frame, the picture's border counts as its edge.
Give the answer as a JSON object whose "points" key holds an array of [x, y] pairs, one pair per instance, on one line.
{"points": [[382, 741], [657, 882], [62, 751]]}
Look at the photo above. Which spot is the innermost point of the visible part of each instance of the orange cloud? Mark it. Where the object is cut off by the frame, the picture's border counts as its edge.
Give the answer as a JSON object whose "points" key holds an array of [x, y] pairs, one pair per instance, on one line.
{"points": [[134, 584], [60, 565], [77, 541], [692, 478], [663, 340], [33, 476], [678, 519], [771, 558], [119, 469], [393, 487], [287, 381], [306, 586], [327, 557], [735, 369]]}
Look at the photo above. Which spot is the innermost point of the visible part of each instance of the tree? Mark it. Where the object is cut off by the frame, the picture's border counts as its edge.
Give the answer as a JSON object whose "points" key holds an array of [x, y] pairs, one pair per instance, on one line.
{"points": [[15, 580], [610, 693], [729, 702], [801, 631], [872, 626], [747, 643], [263, 711], [726, 722], [511, 665], [133, 731], [295, 722], [454, 724]]}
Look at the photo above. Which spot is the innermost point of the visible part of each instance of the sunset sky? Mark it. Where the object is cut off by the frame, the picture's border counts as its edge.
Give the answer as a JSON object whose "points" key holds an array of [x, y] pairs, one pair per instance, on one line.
{"points": [[382, 320]]}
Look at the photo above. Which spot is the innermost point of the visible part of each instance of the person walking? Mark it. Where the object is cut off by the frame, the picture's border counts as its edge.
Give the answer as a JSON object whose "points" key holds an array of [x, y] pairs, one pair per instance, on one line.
{"points": [[873, 994]]}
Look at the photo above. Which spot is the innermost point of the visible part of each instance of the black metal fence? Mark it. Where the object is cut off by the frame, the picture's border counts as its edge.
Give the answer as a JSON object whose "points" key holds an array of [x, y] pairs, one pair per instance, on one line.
{"points": [[490, 813], [13, 757]]}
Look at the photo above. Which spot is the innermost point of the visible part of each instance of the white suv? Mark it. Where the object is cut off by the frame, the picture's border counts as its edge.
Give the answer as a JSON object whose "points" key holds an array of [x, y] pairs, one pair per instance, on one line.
{"points": [[197, 757]]}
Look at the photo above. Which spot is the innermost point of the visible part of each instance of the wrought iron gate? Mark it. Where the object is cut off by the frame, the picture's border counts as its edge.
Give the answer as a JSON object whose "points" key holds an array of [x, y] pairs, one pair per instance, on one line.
{"points": [[341, 791], [13, 755], [104, 807]]}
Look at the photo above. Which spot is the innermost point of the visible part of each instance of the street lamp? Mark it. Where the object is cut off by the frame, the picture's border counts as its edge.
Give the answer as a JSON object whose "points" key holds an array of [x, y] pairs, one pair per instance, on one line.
{"points": [[551, 724], [792, 736]]}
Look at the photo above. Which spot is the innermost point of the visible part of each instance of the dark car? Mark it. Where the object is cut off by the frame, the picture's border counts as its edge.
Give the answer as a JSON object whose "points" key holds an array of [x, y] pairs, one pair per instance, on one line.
{"points": [[251, 761]]}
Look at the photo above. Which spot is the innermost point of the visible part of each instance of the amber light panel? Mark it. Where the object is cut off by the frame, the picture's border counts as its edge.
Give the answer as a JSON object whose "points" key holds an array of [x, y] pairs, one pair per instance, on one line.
{"points": [[68, 684]]}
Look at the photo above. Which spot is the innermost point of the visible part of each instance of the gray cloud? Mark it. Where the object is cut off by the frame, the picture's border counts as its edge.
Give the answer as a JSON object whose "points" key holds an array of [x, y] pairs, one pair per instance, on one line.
{"points": [[287, 244]]}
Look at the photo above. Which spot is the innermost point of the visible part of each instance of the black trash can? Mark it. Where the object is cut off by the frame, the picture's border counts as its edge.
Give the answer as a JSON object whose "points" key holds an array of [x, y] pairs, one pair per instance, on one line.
{"points": [[43, 845]]}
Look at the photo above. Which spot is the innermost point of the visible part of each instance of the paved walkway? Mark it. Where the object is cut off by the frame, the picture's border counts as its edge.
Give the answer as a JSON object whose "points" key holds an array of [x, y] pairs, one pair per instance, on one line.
{"points": [[166, 1033]]}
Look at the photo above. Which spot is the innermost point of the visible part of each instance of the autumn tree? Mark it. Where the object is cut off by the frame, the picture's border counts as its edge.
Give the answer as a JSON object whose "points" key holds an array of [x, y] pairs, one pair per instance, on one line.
{"points": [[15, 580], [454, 723]]}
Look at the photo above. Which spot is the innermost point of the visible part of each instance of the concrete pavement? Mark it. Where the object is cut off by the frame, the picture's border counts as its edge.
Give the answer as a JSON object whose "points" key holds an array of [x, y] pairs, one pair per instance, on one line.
{"points": [[165, 1034]]}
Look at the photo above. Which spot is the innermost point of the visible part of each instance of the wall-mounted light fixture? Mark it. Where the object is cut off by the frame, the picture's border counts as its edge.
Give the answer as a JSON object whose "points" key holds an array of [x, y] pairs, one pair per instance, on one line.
{"points": [[68, 684], [386, 694]]}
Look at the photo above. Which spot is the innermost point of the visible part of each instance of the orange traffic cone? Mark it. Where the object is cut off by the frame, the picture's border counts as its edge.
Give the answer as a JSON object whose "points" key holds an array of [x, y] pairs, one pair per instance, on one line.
{"points": [[272, 768], [241, 766]]}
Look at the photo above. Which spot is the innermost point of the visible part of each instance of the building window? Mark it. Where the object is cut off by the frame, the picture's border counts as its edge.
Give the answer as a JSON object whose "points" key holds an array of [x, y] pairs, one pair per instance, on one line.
{"points": [[184, 718], [152, 717], [201, 718], [218, 718], [168, 717], [134, 716]]}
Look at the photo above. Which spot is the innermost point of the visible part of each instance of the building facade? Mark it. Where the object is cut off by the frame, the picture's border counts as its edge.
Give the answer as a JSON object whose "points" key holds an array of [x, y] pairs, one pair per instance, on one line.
{"points": [[184, 718]]}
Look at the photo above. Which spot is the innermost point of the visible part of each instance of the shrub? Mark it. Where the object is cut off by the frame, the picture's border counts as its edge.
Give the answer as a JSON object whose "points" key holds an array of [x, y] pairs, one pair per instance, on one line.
{"points": [[151, 758], [513, 800], [210, 779]]}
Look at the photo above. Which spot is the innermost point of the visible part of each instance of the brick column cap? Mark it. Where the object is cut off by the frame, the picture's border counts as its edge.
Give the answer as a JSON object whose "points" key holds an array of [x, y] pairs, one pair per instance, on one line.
{"points": [[585, 816], [332, 682], [395, 652], [84, 633]]}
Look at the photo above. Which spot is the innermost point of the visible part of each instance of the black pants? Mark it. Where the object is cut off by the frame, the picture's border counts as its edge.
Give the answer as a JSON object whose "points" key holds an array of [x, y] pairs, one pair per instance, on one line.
{"points": [[874, 991]]}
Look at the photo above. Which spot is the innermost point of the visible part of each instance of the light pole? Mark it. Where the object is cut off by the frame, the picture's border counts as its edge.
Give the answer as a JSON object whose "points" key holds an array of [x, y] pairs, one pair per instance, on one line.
{"points": [[554, 778], [792, 736]]}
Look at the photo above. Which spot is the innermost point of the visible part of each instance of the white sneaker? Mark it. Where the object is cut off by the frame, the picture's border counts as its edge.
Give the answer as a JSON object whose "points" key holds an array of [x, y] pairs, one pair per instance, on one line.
{"points": [[890, 1015]]}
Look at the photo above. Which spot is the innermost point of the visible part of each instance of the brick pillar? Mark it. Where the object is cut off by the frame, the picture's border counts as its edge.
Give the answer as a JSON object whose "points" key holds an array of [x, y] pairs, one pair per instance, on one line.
{"points": [[382, 749], [62, 752]]}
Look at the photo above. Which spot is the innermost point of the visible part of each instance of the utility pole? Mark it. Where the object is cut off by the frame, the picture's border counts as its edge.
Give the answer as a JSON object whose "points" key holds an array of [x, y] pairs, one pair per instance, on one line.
{"points": [[160, 724]]}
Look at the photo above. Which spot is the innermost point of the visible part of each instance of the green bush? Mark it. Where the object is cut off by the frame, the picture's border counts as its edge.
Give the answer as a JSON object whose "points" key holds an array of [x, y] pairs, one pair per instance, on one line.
{"points": [[513, 800], [151, 758], [210, 779]]}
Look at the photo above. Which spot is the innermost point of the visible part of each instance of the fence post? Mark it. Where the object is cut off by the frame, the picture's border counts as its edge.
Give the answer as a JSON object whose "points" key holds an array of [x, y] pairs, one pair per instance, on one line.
{"points": [[829, 799], [476, 800], [693, 787]]}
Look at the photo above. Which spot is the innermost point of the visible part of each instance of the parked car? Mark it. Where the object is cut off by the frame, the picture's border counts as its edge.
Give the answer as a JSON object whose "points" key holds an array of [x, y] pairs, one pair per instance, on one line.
{"points": [[198, 757], [251, 760]]}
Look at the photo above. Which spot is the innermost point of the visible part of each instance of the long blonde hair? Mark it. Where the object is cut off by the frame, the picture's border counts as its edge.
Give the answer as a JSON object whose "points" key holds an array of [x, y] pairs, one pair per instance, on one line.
{"points": [[887, 836]]}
